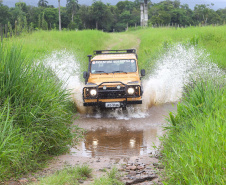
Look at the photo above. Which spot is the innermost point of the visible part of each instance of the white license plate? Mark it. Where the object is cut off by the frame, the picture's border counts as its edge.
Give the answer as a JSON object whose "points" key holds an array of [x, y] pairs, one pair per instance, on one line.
{"points": [[112, 105]]}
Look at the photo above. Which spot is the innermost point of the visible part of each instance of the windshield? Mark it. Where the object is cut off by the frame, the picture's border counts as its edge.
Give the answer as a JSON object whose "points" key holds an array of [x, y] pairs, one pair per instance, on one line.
{"points": [[113, 66]]}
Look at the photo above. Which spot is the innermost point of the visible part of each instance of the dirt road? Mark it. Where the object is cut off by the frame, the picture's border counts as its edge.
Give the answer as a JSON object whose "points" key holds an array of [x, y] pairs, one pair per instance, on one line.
{"points": [[123, 139]]}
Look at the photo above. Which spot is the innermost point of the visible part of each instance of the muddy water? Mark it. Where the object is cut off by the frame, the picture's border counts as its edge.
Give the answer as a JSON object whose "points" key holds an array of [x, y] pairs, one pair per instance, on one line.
{"points": [[117, 133]]}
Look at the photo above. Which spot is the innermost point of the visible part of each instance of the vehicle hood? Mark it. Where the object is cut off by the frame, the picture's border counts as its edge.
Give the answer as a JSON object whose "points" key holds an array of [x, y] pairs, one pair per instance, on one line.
{"points": [[124, 78]]}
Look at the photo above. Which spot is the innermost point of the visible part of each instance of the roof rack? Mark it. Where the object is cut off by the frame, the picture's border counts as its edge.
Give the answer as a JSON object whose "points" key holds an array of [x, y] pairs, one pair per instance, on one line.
{"points": [[124, 51]]}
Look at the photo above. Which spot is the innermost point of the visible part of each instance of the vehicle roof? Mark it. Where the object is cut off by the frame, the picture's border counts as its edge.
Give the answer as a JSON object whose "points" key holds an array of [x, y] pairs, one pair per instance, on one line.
{"points": [[114, 56]]}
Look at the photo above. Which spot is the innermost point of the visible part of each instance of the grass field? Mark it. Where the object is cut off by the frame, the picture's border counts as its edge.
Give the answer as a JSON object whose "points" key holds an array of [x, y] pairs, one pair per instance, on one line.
{"points": [[153, 40], [35, 113]]}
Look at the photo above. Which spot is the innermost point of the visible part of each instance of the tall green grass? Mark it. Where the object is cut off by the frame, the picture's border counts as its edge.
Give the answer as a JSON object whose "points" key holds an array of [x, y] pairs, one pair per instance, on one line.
{"points": [[35, 113], [194, 149]]}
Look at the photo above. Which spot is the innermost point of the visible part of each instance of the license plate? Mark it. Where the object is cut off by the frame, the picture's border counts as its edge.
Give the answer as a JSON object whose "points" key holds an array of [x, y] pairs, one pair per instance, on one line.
{"points": [[112, 105]]}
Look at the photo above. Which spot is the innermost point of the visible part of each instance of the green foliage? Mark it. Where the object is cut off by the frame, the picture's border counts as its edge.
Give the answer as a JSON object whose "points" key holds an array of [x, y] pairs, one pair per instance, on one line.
{"points": [[194, 149], [72, 7], [72, 26], [36, 114], [15, 148], [42, 3], [112, 17], [112, 178], [4, 14], [51, 15], [67, 176], [84, 171], [44, 23]]}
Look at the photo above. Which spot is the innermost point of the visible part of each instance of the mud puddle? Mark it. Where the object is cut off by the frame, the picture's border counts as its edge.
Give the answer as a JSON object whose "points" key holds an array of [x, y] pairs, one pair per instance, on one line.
{"points": [[117, 133], [121, 139]]}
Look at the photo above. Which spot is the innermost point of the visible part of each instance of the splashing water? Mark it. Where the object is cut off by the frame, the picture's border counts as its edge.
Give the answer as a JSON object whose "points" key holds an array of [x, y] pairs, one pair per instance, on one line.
{"points": [[67, 69], [119, 114], [173, 71]]}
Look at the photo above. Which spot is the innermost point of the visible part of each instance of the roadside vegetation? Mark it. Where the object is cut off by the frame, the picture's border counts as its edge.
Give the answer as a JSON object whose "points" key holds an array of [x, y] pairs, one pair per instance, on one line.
{"points": [[194, 150], [35, 114], [79, 174], [67, 176]]}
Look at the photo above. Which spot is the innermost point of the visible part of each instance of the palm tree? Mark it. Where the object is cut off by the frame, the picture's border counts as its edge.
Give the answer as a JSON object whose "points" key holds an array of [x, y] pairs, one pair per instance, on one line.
{"points": [[59, 16], [43, 3]]}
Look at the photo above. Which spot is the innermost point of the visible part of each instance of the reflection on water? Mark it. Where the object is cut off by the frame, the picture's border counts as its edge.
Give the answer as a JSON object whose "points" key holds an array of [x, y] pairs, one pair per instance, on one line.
{"points": [[118, 142], [108, 136]]}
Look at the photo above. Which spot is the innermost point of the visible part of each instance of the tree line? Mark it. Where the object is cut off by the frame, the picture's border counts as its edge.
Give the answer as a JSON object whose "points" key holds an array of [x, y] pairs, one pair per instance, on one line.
{"points": [[106, 17]]}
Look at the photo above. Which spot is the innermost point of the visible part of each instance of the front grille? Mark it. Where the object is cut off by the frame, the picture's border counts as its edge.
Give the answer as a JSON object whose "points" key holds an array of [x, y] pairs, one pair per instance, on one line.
{"points": [[111, 93]]}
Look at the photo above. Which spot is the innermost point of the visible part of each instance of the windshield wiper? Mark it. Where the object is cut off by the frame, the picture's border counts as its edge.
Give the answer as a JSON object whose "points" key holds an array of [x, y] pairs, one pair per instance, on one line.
{"points": [[119, 72], [101, 72]]}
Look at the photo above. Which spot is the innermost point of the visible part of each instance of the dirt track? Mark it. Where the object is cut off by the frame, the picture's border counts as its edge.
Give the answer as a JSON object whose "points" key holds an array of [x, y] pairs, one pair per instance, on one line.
{"points": [[120, 139]]}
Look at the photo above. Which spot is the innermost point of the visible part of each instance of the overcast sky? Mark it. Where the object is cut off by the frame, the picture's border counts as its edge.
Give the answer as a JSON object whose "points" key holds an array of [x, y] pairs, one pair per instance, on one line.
{"points": [[217, 3]]}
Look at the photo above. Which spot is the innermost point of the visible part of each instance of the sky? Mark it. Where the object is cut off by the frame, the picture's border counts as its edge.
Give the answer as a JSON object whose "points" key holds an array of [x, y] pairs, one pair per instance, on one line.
{"points": [[217, 3]]}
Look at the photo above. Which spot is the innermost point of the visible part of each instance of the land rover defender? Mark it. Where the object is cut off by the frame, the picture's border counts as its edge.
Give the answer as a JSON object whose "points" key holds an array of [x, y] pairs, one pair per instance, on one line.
{"points": [[113, 79]]}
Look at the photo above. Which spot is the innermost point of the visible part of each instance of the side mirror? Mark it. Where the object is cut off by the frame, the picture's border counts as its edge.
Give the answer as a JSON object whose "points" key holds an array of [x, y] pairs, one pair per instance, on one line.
{"points": [[142, 72], [85, 74]]}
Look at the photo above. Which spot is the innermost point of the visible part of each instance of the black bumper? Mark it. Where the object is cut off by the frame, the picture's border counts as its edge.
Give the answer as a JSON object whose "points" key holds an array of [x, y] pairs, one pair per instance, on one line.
{"points": [[122, 103]]}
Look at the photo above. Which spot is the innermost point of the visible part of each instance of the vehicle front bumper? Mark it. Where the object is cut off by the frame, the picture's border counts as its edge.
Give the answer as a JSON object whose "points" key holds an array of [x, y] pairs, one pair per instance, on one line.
{"points": [[102, 104]]}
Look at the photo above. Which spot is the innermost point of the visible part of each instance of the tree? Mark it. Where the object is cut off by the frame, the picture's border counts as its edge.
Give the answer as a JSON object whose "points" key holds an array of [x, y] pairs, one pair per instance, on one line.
{"points": [[72, 7], [65, 19], [33, 15], [201, 13], [43, 3], [22, 6], [214, 18], [4, 14], [50, 15], [160, 13], [59, 16], [222, 14], [84, 13], [98, 12], [44, 23]]}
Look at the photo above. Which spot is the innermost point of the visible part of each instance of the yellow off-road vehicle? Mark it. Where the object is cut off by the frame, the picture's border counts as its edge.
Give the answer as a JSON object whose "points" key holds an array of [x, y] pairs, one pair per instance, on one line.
{"points": [[113, 79]]}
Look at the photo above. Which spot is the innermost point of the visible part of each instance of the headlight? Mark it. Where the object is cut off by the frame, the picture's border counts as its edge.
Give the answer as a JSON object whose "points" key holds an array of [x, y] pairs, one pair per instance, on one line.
{"points": [[130, 91], [93, 92]]}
